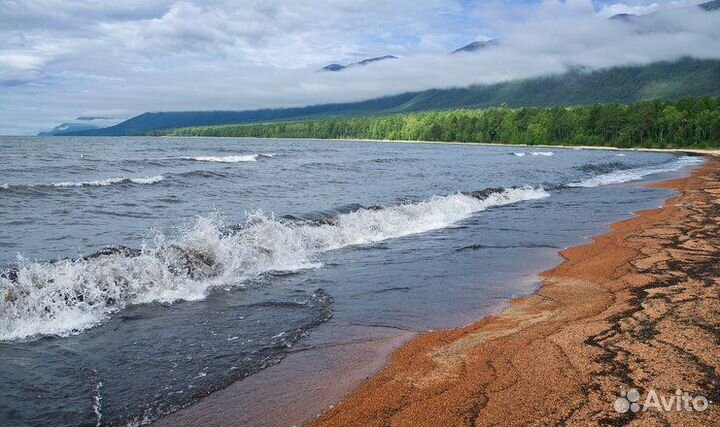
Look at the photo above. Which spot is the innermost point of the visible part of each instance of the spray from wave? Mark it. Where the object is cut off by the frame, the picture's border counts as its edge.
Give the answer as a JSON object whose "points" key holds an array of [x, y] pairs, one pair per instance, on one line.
{"points": [[68, 296], [229, 159], [111, 181], [628, 175]]}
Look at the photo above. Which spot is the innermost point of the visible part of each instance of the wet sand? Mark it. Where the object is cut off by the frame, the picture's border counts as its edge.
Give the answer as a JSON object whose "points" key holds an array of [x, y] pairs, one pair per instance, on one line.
{"points": [[313, 377], [637, 308]]}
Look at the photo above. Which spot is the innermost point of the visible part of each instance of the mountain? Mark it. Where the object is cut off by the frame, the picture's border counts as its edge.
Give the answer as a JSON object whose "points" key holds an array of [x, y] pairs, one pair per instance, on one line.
{"points": [[662, 80], [90, 118], [80, 124], [340, 67], [709, 6], [475, 46], [333, 67], [68, 127], [627, 17]]}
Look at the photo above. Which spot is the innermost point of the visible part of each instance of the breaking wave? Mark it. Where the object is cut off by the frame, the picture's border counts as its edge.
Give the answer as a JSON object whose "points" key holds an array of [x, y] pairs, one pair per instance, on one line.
{"points": [[627, 175], [68, 296], [111, 181], [533, 153], [230, 159]]}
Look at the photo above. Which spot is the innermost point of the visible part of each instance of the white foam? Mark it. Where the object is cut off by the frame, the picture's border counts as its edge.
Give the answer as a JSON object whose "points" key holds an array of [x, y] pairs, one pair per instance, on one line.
{"points": [[111, 181], [225, 159], [69, 296], [97, 402], [534, 153], [628, 175], [4, 186], [147, 180]]}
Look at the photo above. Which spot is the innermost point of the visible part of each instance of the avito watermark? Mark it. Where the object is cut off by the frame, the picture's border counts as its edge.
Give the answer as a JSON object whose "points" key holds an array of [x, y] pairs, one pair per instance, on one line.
{"points": [[678, 402]]}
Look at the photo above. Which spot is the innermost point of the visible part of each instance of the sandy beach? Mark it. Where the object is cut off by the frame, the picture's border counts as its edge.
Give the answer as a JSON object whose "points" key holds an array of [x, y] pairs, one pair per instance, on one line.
{"points": [[639, 308]]}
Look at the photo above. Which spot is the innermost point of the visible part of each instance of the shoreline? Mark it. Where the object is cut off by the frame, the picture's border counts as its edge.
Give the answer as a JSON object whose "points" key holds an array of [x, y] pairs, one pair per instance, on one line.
{"points": [[638, 307], [702, 152], [274, 401]]}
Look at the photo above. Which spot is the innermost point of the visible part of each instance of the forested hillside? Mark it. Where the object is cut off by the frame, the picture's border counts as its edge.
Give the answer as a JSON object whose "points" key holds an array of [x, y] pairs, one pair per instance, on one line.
{"points": [[687, 123], [663, 80]]}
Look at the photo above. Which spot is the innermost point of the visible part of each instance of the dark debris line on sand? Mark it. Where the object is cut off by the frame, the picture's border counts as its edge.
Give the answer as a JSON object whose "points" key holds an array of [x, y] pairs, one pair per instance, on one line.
{"points": [[637, 308]]}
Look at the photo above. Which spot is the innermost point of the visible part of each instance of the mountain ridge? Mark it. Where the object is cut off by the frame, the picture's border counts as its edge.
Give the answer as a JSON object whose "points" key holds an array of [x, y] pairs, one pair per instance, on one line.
{"points": [[686, 77], [340, 67]]}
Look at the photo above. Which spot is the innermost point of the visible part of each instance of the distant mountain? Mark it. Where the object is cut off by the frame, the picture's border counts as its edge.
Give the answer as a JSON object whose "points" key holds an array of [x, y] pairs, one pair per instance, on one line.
{"points": [[90, 118], [623, 17], [709, 6], [340, 67], [663, 80], [68, 127], [333, 67], [80, 124], [475, 46]]}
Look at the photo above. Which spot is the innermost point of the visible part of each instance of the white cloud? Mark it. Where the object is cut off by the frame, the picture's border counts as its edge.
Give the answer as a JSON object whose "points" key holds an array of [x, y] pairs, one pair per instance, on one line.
{"points": [[61, 59], [621, 8], [640, 8]]}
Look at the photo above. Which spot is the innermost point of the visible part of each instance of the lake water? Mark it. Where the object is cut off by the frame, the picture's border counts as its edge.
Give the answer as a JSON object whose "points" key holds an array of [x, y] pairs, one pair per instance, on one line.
{"points": [[142, 274]]}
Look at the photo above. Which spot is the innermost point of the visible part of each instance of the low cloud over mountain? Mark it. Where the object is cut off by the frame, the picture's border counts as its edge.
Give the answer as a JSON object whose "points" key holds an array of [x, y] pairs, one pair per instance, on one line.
{"points": [[66, 59]]}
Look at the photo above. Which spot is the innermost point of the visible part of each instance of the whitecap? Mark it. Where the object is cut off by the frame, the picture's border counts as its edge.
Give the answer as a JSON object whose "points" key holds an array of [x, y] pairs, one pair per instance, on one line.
{"points": [[68, 296], [225, 159], [111, 181], [533, 153], [628, 175]]}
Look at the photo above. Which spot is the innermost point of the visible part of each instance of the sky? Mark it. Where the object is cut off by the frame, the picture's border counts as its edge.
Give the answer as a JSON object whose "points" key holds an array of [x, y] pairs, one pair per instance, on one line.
{"points": [[64, 59]]}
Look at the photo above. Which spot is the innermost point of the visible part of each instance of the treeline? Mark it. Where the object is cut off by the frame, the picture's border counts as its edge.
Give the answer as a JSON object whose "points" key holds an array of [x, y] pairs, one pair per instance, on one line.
{"points": [[687, 123]]}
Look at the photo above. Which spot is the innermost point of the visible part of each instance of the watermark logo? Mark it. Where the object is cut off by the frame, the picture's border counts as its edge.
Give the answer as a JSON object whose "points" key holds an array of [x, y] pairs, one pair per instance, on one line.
{"points": [[678, 402], [627, 401]]}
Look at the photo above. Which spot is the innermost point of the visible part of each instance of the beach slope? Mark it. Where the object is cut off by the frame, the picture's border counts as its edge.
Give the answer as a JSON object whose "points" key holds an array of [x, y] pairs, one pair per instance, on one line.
{"points": [[637, 308]]}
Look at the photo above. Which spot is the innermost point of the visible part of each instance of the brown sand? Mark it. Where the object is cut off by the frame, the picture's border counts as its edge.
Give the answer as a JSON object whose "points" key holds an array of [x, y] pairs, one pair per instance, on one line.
{"points": [[638, 307]]}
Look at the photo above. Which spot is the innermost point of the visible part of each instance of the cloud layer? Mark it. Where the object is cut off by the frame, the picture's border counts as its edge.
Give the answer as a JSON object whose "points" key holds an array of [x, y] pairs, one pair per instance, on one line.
{"points": [[65, 58]]}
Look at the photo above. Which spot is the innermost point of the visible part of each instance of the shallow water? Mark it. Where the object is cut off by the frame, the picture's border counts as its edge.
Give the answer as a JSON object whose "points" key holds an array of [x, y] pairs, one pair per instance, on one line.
{"points": [[238, 248]]}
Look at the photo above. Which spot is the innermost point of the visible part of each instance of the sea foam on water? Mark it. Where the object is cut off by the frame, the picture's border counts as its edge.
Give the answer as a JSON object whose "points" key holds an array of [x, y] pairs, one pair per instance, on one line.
{"points": [[68, 296]]}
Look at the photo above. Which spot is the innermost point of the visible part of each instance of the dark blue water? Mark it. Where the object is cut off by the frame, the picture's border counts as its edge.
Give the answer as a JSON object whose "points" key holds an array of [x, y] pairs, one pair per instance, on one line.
{"points": [[227, 252]]}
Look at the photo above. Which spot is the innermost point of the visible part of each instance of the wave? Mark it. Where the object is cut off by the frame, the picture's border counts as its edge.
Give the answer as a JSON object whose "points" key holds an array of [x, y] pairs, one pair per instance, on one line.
{"points": [[533, 153], [230, 159], [111, 181], [202, 174], [627, 175], [603, 168], [68, 296], [4, 186]]}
